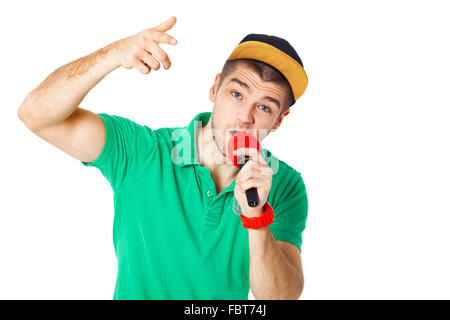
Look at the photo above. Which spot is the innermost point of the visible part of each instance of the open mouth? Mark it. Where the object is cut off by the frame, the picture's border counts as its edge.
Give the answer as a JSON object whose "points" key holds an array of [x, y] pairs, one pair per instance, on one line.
{"points": [[234, 132]]}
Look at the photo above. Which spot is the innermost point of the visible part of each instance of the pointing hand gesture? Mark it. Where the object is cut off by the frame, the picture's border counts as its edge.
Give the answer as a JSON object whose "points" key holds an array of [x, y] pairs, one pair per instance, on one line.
{"points": [[142, 51]]}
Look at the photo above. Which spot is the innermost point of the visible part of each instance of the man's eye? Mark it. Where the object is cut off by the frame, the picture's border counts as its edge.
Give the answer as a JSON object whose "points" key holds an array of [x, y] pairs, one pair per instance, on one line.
{"points": [[236, 93], [266, 109]]}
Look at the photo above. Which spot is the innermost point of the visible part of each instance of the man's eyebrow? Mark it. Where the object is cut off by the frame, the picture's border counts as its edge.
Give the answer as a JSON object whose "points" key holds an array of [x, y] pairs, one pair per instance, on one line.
{"points": [[241, 83], [273, 100], [246, 87]]}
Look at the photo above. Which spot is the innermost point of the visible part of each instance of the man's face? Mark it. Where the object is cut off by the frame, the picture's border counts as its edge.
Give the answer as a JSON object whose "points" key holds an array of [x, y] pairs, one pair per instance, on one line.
{"points": [[245, 102]]}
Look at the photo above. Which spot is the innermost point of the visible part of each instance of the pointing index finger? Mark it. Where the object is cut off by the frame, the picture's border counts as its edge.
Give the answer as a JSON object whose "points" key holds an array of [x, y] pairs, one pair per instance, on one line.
{"points": [[166, 25]]}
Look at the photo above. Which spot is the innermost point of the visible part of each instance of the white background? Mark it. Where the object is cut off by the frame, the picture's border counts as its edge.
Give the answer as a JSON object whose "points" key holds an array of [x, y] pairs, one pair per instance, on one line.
{"points": [[370, 137]]}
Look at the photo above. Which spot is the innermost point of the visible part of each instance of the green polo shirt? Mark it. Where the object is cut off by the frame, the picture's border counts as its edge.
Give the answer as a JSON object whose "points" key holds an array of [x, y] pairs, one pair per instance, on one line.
{"points": [[174, 236]]}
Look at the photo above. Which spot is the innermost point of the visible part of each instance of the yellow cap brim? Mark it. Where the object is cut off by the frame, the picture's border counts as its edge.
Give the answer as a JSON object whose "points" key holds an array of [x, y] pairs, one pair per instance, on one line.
{"points": [[289, 67]]}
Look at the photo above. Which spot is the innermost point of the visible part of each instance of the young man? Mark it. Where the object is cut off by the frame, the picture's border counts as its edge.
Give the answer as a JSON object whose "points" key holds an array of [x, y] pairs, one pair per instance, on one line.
{"points": [[178, 233]]}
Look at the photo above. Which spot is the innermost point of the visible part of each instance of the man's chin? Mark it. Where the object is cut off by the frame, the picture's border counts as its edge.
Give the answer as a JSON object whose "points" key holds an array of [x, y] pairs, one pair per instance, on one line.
{"points": [[219, 147]]}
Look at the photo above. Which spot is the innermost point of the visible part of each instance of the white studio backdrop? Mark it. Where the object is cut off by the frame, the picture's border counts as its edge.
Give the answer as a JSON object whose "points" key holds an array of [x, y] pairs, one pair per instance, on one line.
{"points": [[370, 137]]}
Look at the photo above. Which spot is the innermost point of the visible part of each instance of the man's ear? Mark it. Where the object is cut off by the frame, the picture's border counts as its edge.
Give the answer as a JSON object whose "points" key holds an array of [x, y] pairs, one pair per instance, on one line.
{"points": [[278, 123], [214, 88]]}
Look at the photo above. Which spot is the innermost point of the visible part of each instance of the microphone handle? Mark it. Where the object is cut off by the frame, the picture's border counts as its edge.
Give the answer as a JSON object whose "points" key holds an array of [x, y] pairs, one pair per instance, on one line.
{"points": [[252, 197], [252, 193]]}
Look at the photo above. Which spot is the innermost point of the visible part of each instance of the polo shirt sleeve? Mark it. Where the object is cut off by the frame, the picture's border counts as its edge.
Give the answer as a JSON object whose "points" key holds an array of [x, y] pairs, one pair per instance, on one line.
{"points": [[126, 143], [291, 211]]}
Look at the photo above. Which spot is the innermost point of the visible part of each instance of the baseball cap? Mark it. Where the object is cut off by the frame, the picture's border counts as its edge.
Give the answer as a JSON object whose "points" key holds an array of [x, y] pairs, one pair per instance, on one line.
{"points": [[276, 52]]}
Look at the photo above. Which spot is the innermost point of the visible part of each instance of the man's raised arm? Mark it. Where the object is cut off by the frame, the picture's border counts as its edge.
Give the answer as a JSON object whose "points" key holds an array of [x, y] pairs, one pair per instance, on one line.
{"points": [[52, 109]]}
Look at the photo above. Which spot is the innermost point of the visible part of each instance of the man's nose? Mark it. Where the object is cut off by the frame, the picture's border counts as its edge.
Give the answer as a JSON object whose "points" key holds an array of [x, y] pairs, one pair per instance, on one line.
{"points": [[245, 114]]}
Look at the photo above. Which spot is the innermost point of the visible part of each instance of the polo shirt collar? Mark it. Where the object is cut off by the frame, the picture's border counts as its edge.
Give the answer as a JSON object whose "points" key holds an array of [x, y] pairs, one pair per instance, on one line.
{"points": [[190, 133], [199, 121]]}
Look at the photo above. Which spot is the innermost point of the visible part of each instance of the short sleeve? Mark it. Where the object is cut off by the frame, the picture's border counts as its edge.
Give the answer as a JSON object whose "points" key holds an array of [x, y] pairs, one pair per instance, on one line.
{"points": [[125, 142], [291, 211]]}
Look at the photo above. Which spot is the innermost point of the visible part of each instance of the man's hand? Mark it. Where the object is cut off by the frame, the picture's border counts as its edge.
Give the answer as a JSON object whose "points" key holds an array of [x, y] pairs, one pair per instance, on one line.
{"points": [[255, 173], [142, 51]]}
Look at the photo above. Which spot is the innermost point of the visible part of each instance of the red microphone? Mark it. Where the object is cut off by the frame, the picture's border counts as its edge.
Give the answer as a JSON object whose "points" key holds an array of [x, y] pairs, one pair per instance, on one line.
{"points": [[244, 140]]}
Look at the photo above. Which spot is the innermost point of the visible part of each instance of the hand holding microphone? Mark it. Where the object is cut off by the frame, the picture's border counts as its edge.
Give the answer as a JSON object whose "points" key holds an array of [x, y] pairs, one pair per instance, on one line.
{"points": [[254, 180]]}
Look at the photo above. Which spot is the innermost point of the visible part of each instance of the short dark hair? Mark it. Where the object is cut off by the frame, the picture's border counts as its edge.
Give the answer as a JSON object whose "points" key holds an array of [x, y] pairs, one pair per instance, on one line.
{"points": [[266, 72]]}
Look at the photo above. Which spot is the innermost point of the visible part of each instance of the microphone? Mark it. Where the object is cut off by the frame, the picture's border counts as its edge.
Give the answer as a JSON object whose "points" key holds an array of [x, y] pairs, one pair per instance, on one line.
{"points": [[244, 140]]}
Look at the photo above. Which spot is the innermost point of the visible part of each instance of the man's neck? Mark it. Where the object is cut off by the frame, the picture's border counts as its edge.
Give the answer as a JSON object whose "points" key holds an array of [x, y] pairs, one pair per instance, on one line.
{"points": [[209, 156]]}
